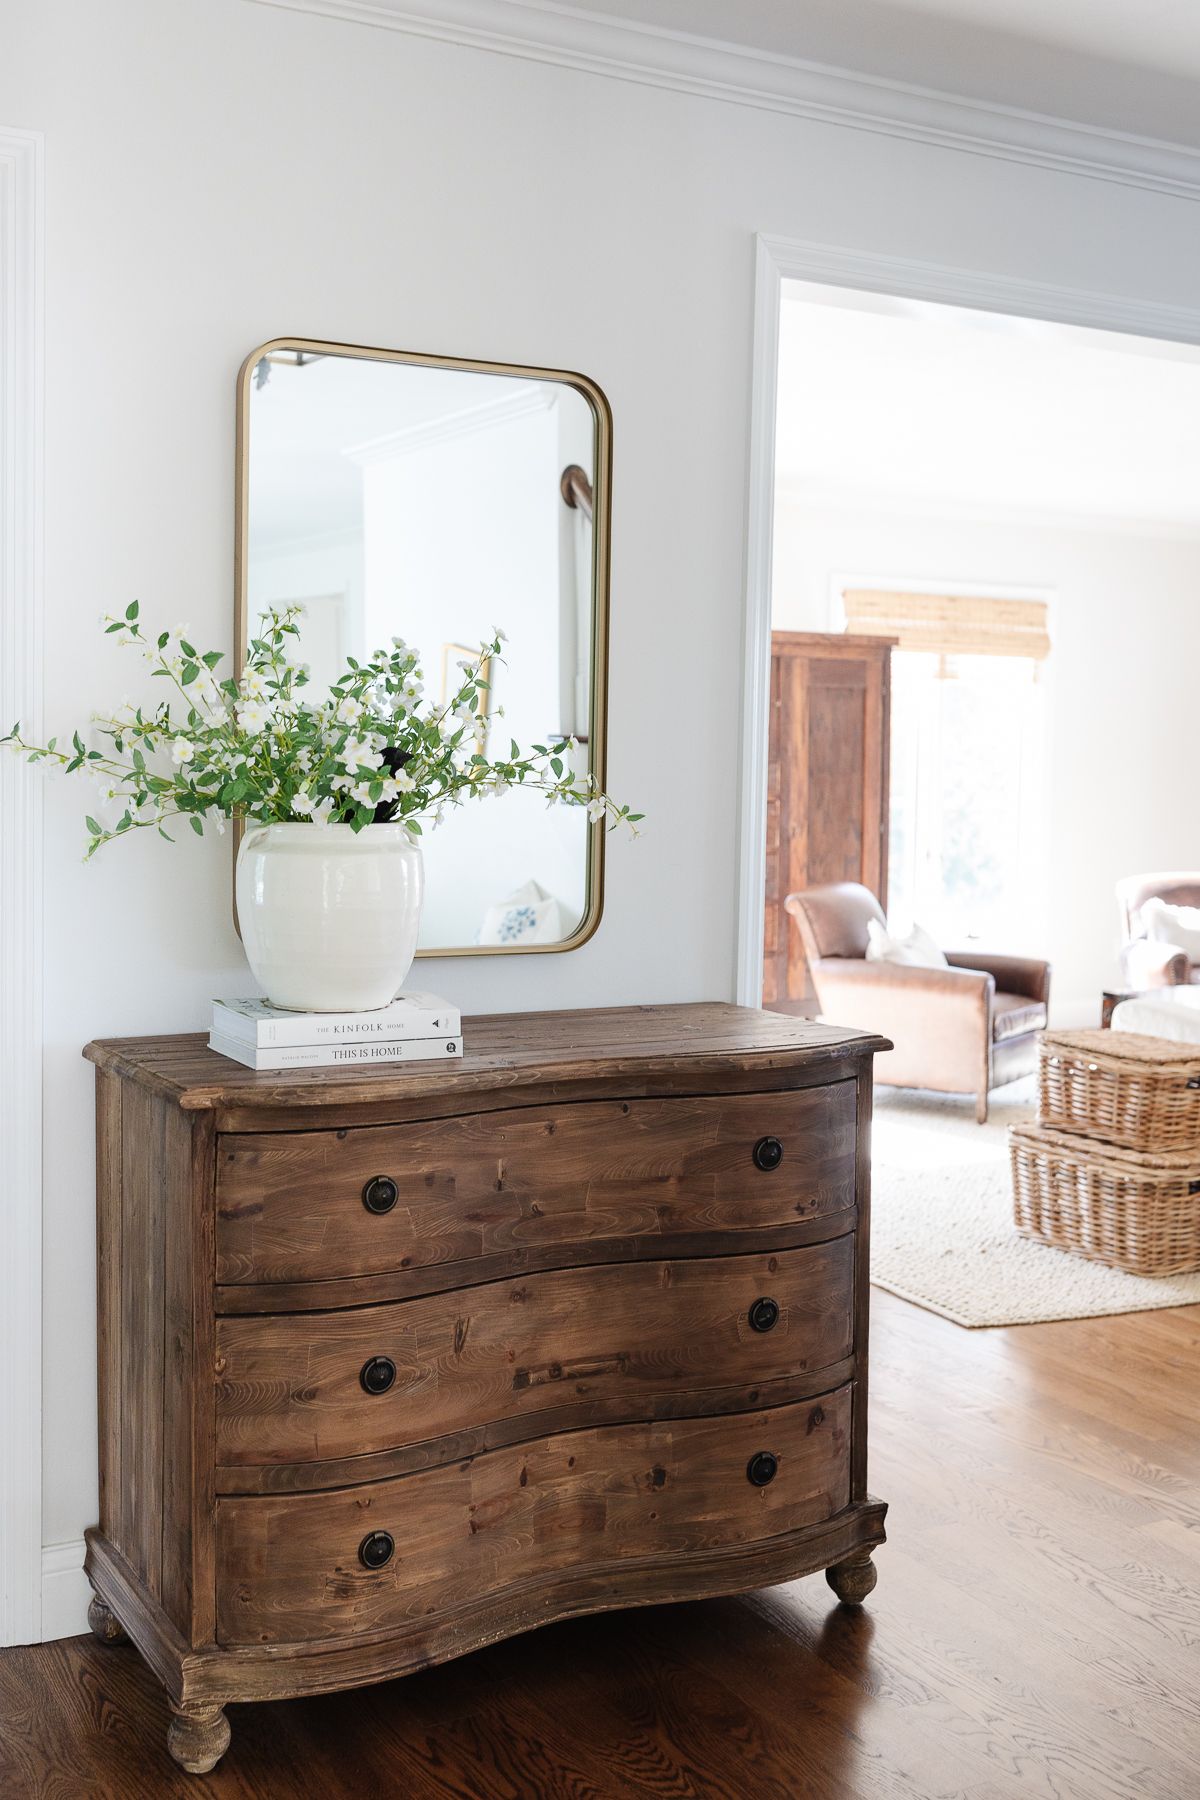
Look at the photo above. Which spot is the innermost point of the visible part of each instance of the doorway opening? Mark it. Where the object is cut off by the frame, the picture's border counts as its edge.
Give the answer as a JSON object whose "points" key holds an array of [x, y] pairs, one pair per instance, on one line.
{"points": [[983, 597]]}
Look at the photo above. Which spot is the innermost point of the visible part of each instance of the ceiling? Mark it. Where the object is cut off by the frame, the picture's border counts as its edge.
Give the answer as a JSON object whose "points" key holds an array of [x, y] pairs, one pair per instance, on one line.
{"points": [[911, 403], [1130, 65]]}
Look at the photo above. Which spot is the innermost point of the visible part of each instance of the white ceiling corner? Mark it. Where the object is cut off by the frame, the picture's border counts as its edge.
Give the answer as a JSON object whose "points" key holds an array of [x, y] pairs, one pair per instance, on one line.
{"points": [[632, 50]]}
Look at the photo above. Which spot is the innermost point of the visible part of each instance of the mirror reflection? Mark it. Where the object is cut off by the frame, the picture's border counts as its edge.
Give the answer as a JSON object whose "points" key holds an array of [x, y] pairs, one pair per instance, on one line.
{"points": [[395, 497]]}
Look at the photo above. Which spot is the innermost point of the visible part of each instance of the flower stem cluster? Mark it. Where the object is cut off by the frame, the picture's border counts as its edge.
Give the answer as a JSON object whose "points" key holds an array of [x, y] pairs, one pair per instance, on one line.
{"points": [[373, 751]]}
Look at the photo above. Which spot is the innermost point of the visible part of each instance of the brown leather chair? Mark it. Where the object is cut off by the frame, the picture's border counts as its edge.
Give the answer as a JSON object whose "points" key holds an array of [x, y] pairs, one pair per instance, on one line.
{"points": [[960, 1030], [1145, 963]]}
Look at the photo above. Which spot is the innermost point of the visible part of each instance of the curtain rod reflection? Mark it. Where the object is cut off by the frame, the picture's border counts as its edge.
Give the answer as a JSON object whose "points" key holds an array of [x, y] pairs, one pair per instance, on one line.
{"points": [[577, 489]]}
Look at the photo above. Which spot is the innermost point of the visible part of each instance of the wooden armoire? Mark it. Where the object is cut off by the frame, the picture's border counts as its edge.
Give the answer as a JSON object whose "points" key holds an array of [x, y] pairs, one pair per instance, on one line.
{"points": [[827, 786]]}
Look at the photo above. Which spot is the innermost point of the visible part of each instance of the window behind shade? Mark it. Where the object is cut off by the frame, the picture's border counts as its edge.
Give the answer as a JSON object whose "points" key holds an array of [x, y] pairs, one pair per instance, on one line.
{"points": [[968, 780]]}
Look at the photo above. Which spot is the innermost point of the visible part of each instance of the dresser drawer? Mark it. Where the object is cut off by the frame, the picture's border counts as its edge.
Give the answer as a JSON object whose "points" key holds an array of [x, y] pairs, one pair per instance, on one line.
{"points": [[292, 1568], [603, 1341], [530, 1183]]}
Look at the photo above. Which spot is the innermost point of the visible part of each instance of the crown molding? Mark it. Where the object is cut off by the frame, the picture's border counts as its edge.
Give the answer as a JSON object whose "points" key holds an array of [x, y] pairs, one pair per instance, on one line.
{"points": [[533, 397], [628, 50], [21, 1032]]}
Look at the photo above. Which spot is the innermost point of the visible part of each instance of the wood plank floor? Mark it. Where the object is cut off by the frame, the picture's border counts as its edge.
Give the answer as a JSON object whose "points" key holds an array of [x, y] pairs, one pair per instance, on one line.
{"points": [[1035, 1631]]}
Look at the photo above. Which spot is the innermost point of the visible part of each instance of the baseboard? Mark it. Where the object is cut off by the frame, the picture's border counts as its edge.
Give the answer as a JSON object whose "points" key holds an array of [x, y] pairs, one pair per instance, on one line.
{"points": [[65, 1591]]}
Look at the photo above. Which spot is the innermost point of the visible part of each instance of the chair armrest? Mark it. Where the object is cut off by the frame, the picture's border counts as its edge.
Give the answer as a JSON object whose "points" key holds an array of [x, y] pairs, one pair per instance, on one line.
{"points": [[1147, 964], [1026, 975], [939, 1020], [848, 974]]}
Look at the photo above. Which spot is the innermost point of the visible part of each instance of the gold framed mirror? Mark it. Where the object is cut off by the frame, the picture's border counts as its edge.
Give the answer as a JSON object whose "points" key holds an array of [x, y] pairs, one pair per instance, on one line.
{"points": [[436, 498]]}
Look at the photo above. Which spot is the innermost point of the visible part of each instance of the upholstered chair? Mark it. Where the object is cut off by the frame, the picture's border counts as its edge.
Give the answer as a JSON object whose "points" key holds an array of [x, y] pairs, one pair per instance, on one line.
{"points": [[960, 1030], [1146, 963]]}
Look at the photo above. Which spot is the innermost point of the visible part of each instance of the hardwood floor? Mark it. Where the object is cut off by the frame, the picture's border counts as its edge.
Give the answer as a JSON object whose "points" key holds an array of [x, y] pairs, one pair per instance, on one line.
{"points": [[1035, 1631]]}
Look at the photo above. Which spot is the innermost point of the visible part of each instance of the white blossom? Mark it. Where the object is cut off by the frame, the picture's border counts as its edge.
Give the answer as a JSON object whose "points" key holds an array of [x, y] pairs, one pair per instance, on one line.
{"points": [[253, 716], [182, 751]]}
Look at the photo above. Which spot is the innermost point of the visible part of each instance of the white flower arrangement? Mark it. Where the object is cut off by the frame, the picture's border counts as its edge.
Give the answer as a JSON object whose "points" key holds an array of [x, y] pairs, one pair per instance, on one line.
{"points": [[256, 749]]}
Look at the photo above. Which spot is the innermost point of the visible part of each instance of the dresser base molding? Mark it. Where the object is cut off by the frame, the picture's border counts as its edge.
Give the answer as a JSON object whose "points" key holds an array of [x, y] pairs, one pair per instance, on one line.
{"points": [[214, 1677]]}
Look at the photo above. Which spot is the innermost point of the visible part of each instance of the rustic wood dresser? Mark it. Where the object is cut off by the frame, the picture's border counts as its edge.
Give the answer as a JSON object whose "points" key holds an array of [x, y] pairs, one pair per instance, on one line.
{"points": [[397, 1361]]}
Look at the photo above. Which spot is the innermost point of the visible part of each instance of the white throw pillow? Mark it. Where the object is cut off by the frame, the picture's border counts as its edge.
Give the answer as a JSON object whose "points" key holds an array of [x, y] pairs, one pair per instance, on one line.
{"points": [[1173, 925], [528, 916], [918, 949]]}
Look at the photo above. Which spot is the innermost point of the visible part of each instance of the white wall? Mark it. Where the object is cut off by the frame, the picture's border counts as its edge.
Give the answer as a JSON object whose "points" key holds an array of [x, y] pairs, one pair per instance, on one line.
{"points": [[327, 571], [459, 536], [1125, 623], [219, 173]]}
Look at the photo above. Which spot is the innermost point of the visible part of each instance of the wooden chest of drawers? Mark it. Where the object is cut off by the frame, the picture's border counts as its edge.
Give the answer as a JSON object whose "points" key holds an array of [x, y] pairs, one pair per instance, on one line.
{"points": [[395, 1362]]}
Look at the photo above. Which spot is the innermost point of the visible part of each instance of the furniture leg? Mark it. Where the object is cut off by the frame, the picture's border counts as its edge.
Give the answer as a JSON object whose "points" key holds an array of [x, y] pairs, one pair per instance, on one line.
{"points": [[198, 1738], [981, 1107], [105, 1626], [853, 1579]]}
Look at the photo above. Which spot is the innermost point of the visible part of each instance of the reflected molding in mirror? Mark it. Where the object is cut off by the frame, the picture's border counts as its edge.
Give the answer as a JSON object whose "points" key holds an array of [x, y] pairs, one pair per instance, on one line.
{"points": [[587, 502]]}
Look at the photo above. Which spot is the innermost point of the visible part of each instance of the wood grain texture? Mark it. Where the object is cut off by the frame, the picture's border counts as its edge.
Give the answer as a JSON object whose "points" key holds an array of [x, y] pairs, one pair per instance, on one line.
{"points": [[212, 1674], [290, 1389], [509, 1056], [288, 1568], [562, 1282], [239, 1298], [827, 785], [290, 1204], [136, 1484], [1032, 1636]]}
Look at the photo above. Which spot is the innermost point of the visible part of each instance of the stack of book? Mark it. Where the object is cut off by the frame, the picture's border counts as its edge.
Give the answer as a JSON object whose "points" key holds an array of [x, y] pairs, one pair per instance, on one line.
{"points": [[414, 1028]]}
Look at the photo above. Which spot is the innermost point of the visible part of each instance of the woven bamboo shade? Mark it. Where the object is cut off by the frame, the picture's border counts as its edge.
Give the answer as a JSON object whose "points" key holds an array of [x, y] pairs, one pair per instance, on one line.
{"points": [[950, 624]]}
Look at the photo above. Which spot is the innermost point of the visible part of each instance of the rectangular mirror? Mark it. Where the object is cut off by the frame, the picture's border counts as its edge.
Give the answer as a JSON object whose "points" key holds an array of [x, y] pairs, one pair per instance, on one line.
{"points": [[420, 497]]}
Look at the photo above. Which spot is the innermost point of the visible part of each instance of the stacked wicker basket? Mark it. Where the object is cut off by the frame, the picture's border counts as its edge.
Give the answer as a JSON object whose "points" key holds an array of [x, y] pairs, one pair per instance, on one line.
{"points": [[1111, 1170]]}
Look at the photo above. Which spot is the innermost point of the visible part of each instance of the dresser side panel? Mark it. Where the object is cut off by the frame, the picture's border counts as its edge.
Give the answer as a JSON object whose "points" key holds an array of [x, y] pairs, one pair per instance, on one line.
{"points": [[188, 1482], [109, 1201], [137, 1507], [862, 1283]]}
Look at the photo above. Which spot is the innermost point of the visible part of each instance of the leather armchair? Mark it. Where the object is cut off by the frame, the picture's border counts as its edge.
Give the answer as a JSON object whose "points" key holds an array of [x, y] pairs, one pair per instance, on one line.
{"points": [[1146, 963], [960, 1030]]}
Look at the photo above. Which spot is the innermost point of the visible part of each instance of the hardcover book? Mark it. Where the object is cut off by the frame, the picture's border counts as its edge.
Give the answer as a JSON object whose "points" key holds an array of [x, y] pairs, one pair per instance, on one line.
{"points": [[260, 1025], [338, 1053]]}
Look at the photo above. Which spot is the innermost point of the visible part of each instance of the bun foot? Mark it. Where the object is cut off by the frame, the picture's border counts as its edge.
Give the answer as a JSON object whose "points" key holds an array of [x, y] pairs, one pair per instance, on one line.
{"points": [[853, 1579], [198, 1738], [105, 1626]]}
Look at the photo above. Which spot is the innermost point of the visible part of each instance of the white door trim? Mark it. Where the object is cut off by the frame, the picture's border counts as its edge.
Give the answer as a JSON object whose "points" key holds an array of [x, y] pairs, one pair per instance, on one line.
{"points": [[20, 889], [780, 259]]}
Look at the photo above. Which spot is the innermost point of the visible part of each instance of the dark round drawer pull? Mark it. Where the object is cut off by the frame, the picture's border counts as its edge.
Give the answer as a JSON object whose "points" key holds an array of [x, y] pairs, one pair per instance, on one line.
{"points": [[380, 1194], [376, 1550], [377, 1375], [768, 1153], [761, 1468], [764, 1314]]}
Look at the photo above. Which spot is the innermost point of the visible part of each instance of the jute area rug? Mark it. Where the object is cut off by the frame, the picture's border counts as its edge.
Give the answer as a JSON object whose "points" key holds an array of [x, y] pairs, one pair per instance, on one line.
{"points": [[942, 1233]]}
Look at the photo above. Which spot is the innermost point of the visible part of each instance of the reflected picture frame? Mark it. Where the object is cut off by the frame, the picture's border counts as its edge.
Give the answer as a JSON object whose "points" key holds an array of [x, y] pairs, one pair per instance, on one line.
{"points": [[299, 348]]}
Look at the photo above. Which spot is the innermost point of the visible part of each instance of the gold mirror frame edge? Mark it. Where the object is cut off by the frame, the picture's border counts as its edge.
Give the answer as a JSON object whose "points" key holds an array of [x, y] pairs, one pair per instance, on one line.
{"points": [[602, 488]]}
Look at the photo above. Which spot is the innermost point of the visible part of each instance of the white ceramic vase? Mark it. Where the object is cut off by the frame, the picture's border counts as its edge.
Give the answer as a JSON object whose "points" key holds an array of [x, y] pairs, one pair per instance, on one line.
{"points": [[329, 916]]}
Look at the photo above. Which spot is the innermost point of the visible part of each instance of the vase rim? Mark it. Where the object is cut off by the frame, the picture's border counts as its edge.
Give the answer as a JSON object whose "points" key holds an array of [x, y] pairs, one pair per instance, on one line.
{"points": [[393, 827], [345, 835]]}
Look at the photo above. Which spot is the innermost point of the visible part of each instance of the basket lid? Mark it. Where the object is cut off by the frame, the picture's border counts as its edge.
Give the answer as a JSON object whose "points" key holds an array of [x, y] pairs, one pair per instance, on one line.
{"points": [[1129, 1050], [1093, 1151]]}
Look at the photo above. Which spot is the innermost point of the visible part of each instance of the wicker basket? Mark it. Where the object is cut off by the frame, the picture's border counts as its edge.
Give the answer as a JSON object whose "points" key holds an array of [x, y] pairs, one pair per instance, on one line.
{"points": [[1134, 1212], [1139, 1092]]}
